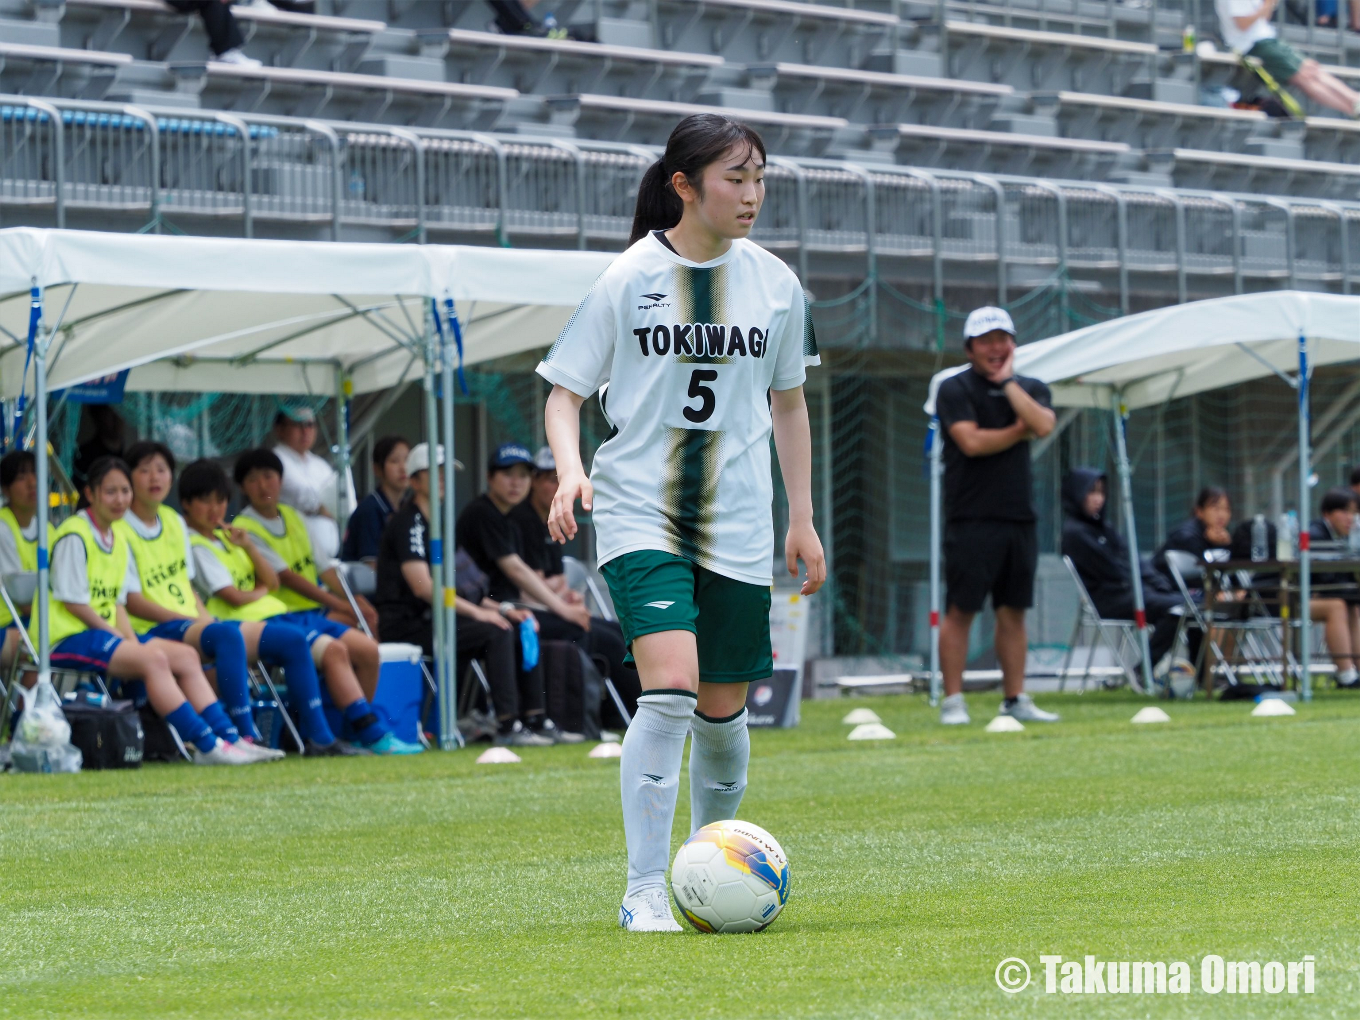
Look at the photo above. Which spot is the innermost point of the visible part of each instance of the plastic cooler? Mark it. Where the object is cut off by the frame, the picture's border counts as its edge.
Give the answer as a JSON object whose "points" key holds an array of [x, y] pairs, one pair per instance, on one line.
{"points": [[401, 691]]}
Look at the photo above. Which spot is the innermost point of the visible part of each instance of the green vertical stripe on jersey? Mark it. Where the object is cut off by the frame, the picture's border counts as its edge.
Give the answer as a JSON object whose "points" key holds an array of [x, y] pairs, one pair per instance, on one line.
{"points": [[689, 491], [809, 334], [702, 300]]}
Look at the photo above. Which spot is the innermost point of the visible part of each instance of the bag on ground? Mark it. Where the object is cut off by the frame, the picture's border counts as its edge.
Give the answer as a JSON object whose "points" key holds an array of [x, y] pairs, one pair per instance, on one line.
{"points": [[574, 688], [109, 735], [42, 738]]}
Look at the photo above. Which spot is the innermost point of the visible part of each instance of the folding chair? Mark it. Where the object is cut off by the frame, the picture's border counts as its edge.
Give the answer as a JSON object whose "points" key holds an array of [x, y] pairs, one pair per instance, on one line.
{"points": [[1187, 568], [358, 577], [1119, 636], [262, 683]]}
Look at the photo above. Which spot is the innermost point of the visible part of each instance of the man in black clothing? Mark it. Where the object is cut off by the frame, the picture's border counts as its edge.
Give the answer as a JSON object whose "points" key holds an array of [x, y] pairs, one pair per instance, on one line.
{"points": [[487, 630], [605, 637], [1098, 552], [1339, 604], [485, 530], [988, 415]]}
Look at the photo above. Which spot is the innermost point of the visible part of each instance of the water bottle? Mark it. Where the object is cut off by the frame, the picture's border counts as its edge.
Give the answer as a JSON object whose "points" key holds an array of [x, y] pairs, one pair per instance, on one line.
{"points": [[1189, 36], [1259, 539], [1284, 538]]}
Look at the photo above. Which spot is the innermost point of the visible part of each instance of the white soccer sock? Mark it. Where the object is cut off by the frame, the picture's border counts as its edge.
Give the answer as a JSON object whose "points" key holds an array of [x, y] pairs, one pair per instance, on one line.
{"points": [[649, 780], [719, 750]]}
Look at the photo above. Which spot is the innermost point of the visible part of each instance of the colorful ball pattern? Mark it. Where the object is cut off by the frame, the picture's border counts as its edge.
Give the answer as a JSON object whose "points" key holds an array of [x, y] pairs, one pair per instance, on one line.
{"points": [[730, 876]]}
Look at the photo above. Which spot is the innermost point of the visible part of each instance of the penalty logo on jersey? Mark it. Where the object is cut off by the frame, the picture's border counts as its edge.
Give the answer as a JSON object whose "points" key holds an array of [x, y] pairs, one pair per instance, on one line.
{"points": [[658, 605]]}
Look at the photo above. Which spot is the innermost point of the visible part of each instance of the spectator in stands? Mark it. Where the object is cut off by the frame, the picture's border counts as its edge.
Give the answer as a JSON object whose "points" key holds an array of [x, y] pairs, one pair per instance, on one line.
{"points": [[19, 535], [485, 530], [1327, 13], [989, 414], [1204, 534], [365, 528], [233, 576], [1247, 30], [348, 659], [311, 486], [485, 629], [544, 557], [1098, 552], [513, 18], [224, 34], [88, 625], [1340, 609]]}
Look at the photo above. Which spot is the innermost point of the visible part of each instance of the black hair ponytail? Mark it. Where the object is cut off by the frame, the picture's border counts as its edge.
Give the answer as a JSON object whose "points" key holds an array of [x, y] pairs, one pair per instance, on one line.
{"points": [[697, 141]]}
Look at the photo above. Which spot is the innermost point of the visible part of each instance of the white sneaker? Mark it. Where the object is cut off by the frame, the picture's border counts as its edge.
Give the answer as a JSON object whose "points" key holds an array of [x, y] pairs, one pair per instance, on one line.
{"points": [[648, 910], [953, 712], [1026, 710], [258, 752], [221, 754], [238, 59]]}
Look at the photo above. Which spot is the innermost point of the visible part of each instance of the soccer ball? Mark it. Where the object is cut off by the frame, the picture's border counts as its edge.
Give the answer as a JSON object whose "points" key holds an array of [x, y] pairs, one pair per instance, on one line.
{"points": [[730, 877]]}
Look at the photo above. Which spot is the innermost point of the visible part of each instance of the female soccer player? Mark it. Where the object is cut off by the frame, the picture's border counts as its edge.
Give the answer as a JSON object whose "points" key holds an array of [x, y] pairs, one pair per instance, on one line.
{"points": [[18, 537], [236, 579], [347, 659], [161, 602], [89, 626], [702, 337]]}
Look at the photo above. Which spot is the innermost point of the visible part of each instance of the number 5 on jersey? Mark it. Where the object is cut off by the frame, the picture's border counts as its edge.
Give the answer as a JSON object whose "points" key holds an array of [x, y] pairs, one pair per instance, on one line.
{"points": [[699, 390]]}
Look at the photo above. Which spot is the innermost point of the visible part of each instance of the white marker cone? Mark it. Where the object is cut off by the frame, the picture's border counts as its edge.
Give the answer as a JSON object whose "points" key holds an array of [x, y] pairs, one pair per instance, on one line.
{"points": [[498, 756], [1005, 724], [1273, 706], [860, 716], [606, 750], [1151, 714], [872, 731]]}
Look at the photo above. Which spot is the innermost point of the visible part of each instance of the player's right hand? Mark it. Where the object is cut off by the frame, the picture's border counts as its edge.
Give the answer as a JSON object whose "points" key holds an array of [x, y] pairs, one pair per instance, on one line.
{"points": [[562, 516]]}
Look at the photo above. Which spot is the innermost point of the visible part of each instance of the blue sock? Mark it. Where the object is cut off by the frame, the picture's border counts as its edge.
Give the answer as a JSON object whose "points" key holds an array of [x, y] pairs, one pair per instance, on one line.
{"points": [[223, 644], [365, 721], [282, 644], [191, 727], [216, 717]]}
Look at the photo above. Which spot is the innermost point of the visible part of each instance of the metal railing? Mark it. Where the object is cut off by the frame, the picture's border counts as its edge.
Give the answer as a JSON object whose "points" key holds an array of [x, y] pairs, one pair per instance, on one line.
{"points": [[407, 184]]}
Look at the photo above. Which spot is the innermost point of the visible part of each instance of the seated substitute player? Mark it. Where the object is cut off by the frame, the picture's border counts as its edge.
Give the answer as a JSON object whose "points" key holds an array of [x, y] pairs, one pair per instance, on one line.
{"points": [[346, 658], [485, 628], [1339, 609], [702, 337], [989, 414], [89, 629], [18, 537], [233, 576], [160, 596]]}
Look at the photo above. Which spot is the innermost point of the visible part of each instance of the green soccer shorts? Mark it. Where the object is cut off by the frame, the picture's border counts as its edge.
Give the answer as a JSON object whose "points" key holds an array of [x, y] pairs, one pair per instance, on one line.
{"points": [[655, 591]]}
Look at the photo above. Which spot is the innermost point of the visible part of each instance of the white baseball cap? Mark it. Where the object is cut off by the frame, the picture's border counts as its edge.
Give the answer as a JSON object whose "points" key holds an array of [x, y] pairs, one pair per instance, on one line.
{"points": [[984, 320], [544, 460], [419, 458]]}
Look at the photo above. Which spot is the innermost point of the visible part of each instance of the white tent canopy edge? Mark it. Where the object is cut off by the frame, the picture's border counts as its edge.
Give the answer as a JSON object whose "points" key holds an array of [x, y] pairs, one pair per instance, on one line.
{"points": [[266, 313], [1152, 357]]}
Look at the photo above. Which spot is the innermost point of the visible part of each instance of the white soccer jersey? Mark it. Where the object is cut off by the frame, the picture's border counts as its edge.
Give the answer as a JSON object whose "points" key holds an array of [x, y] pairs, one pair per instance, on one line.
{"points": [[689, 351]]}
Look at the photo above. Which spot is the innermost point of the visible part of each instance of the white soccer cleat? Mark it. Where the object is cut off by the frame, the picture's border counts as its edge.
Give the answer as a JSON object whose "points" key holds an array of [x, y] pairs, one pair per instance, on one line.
{"points": [[258, 752], [953, 712], [648, 910], [1025, 710], [221, 754]]}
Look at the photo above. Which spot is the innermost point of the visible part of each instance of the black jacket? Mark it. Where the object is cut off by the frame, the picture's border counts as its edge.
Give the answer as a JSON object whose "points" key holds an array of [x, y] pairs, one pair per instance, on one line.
{"points": [[1095, 548], [1188, 536]]}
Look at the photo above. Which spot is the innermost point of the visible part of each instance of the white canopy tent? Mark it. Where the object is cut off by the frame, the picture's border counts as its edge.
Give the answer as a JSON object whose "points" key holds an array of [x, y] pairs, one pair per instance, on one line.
{"points": [[1153, 357], [229, 315]]}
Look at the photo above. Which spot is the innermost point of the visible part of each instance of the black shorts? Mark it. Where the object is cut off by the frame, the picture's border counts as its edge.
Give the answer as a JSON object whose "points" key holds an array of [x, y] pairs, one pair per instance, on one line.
{"points": [[996, 558]]}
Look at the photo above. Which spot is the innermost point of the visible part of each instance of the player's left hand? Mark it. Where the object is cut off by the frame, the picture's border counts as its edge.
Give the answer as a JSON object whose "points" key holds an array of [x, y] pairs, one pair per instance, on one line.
{"points": [[803, 544]]}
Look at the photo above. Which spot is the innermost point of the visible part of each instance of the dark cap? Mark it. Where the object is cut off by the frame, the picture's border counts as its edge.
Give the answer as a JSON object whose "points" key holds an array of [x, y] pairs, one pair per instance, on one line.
{"points": [[510, 454]]}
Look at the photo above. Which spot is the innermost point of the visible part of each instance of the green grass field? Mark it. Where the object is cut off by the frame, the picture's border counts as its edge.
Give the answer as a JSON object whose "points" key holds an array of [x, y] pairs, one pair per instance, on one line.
{"points": [[436, 887]]}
